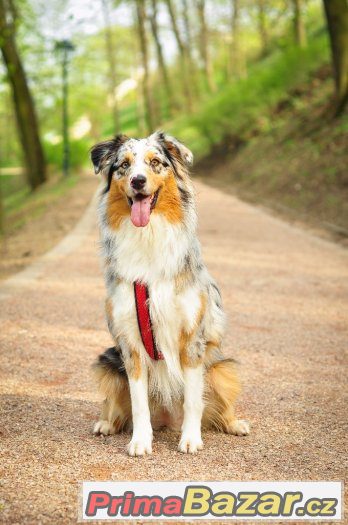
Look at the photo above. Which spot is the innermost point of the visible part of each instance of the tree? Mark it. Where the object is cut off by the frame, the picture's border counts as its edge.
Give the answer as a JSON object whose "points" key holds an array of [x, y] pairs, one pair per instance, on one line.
{"points": [[183, 52], [110, 53], [149, 112], [236, 62], [262, 26], [187, 25], [160, 57], [2, 227], [189, 45], [299, 27], [204, 45], [337, 20], [27, 122]]}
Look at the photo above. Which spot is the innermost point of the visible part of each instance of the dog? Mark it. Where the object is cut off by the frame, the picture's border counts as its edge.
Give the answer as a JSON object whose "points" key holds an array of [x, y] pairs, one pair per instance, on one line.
{"points": [[163, 309]]}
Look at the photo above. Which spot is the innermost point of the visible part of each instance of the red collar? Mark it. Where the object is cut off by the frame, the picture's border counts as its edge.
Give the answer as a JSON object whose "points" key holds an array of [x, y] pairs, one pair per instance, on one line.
{"points": [[141, 294]]}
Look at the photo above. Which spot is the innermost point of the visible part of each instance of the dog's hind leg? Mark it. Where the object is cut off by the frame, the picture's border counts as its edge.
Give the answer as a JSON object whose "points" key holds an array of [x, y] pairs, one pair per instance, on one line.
{"points": [[113, 384], [221, 390]]}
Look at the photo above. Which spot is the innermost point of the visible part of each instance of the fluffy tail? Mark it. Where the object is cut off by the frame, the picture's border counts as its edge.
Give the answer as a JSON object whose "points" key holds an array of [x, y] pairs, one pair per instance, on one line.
{"points": [[222, 389], [113, 384]]}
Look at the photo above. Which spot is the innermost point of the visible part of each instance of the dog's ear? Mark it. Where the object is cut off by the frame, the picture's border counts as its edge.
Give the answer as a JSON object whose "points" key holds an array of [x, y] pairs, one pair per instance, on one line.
{"points": [[175, 148], [103, 152]]}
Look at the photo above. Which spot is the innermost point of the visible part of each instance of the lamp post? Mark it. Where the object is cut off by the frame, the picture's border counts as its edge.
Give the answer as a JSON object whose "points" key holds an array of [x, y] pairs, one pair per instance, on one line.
{"points": [[65, 47]]}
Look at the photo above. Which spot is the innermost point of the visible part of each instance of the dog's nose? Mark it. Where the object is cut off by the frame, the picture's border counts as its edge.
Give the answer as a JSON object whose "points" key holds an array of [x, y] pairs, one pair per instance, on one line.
{"points": [[138, 182]]}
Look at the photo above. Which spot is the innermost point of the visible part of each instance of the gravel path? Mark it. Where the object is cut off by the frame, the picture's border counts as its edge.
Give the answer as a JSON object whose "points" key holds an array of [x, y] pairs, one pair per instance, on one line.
{"points": [[286, 296]]}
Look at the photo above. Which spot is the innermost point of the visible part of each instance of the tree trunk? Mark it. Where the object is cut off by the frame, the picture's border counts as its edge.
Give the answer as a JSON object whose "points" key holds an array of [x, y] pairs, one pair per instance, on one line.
{"points": [[299, 27], [187, 25], [204, 45], [23, 103], [184, 55], [149, 113], [2, 221], [110, 53], [188, 47], [337, 21], [236, 63], [235, 45], [262, 24], [160, 57]]}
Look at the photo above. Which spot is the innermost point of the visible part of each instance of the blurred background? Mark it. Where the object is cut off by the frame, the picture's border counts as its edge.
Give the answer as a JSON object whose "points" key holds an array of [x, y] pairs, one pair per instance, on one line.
{"points": [[257, 89]]}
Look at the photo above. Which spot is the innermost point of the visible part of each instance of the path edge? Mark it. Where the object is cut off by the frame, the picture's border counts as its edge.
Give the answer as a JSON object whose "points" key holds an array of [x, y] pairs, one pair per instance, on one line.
{"points": [[65, 246]]}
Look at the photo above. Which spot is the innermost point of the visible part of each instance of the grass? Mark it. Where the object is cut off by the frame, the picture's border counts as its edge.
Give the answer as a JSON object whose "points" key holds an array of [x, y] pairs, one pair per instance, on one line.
{"points": [[22, 205], [236, 109], [11, 183], [297, 164], [268, 139]]}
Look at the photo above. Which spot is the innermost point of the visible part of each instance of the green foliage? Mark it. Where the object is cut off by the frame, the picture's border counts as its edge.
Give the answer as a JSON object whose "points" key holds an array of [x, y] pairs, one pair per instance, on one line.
{"points": [[79, 153], [15, 201], [12, 183], [237, 108], [234, 107]]}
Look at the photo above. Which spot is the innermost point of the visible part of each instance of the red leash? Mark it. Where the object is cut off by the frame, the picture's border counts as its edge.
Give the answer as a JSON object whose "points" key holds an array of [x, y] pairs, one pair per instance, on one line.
{"points": [[141, 294]]}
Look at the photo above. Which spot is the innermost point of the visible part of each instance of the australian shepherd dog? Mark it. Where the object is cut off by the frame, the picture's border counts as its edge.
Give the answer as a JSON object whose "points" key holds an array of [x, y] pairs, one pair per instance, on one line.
{"points": [[163, 309]]}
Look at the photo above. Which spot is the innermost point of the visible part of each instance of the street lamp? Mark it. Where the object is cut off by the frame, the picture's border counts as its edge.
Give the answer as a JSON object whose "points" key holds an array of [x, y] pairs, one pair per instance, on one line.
{"points": [[65, 47]]}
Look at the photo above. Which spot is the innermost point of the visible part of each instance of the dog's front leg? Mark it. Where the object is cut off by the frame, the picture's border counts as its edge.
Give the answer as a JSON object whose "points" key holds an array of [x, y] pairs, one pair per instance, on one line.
{"points": [[141, 442], [137, 373], [191, 439]]}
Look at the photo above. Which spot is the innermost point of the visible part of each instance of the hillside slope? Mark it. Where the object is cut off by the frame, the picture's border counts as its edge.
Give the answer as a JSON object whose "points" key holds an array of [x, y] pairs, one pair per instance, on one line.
{"points": [[271, 139], [294, 160]]}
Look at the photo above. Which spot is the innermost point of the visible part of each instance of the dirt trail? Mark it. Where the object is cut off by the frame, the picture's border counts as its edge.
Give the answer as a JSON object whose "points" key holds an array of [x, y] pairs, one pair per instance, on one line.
{"points": [[286, 296]]}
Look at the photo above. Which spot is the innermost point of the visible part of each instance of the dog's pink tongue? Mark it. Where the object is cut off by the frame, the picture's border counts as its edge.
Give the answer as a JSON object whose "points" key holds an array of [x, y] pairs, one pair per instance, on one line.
{"points": [[140, 211]]}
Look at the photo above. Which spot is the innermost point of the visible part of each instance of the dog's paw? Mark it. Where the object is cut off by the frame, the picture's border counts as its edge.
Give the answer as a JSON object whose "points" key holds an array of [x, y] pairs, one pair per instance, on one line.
{"points": [[103, 427], [239, 427], [190, 444], [140, 446]]}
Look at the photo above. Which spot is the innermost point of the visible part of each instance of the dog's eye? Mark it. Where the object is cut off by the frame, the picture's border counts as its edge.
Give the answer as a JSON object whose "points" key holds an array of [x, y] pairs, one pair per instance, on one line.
{"points": [[154, 163], [125, 165]]}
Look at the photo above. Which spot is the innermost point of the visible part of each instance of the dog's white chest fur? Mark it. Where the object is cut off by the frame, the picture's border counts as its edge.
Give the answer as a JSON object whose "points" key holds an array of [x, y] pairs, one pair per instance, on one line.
{"points": [[170, 313], [153, 255]]}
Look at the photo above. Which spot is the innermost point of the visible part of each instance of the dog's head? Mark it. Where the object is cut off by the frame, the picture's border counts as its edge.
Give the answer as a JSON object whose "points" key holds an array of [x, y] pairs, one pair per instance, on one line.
{"points": [[143, 176]]}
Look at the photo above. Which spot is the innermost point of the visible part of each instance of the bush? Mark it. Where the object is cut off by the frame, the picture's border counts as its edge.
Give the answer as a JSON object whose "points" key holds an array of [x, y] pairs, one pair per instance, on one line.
{"points": [[79, 153]]}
